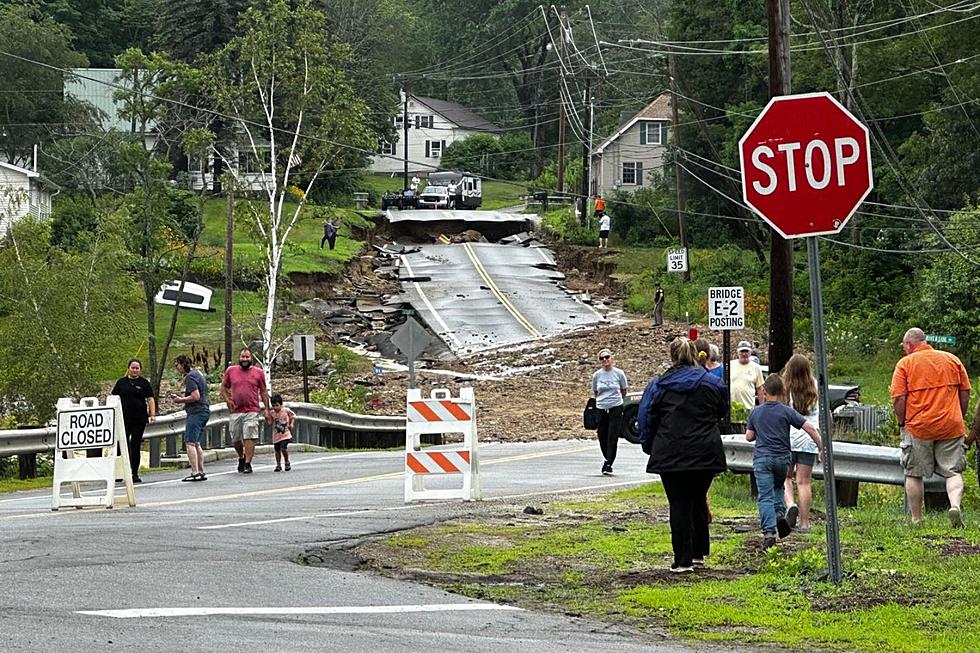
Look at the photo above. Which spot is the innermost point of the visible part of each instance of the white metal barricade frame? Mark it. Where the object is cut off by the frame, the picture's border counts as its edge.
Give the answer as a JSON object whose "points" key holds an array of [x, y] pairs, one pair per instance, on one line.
{"points": [[113, 464], [441, 413]]}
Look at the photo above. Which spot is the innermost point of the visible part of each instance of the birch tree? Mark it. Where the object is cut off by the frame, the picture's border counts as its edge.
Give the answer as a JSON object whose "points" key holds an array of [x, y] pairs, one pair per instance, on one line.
{"points": [[296, 115]]}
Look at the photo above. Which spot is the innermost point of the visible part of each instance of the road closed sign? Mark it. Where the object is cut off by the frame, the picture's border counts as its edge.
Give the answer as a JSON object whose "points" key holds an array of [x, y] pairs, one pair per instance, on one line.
{"points": [[726, 308], [86, 428]]}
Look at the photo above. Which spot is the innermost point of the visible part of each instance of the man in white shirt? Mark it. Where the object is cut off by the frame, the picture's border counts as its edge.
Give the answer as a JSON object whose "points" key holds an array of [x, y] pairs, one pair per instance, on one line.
{"points": [[746, 385], [604, 231]]}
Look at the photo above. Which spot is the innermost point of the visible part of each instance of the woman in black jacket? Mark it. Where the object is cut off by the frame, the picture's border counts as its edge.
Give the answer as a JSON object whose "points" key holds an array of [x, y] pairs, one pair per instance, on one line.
{"points": [[679, 428]]}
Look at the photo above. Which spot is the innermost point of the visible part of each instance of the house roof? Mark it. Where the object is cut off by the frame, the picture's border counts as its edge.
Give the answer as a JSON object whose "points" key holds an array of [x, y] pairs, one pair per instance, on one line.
{"points": [[30, 174], [458, 114], [659, 110]]}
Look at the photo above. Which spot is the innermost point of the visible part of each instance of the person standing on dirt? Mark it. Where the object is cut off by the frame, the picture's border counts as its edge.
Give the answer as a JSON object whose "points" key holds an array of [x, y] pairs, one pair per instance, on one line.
{"points": [[930, 392], [609, 388], [658, 306], [604, 224], [801, 394], [680, 429], [329, 234]]}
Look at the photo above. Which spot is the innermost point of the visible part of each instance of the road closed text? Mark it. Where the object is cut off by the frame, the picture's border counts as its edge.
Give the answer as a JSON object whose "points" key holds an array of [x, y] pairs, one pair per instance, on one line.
{"points": [[88, 429]]}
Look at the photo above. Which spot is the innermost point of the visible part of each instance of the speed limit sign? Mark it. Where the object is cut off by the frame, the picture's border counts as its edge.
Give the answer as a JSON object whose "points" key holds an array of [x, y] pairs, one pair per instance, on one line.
{"points": [[677, 260]]}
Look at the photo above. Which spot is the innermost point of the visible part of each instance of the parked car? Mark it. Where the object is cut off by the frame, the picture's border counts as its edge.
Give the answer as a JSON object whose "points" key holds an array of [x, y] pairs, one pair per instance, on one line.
{"points": [[436, 197], [399, 199], [840, 395]]}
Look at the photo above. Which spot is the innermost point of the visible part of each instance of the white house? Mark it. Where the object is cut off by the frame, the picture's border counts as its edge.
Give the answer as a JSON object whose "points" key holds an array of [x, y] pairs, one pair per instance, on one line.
{"points": [[637, 147], [432, 126], [22, 191]]}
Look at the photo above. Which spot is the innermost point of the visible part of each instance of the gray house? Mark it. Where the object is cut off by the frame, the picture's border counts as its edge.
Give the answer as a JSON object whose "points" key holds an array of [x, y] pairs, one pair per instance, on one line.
{"points": [[625, 160]]}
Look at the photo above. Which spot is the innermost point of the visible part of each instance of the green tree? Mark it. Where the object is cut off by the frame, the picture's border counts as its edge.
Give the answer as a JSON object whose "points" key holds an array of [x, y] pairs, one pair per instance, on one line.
{"points": [[296, 114], [477, 153], [59, 313], [33, 106]]}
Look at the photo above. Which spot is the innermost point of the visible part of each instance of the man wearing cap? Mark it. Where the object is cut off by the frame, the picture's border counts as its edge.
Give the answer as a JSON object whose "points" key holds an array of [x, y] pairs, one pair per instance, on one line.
{"points": [[609, 387], [747, 378], [930, 392]]}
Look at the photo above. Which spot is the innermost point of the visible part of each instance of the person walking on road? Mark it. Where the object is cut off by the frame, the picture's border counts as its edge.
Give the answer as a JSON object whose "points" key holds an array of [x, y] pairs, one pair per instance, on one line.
{"points": [[658, 306], [139, 406], [195, 402], [604, 224], [930, 392], [242, 387], [746, 377], [609, 388], [801, 394], [283, 422], [768, 426], [679, 417]]}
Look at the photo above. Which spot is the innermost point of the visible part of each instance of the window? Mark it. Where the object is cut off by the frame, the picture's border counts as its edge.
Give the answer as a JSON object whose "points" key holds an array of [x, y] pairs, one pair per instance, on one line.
{"points": [[398, 121], [433, 149], [387, 148], [650, 133], [633, 173], [423, 122]]}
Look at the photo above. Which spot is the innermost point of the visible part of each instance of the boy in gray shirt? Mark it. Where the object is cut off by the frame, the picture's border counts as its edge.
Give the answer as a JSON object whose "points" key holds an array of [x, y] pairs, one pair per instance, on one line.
{"points": [[609, 387]]}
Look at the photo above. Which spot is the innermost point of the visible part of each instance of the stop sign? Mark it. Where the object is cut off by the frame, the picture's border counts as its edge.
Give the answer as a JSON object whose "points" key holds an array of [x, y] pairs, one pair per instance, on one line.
{"points": [[806, 165]]}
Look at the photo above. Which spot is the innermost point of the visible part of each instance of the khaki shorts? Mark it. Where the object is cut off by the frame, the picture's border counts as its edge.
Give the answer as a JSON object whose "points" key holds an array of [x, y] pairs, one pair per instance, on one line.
{"points": [[921, 458], [244, 426]]}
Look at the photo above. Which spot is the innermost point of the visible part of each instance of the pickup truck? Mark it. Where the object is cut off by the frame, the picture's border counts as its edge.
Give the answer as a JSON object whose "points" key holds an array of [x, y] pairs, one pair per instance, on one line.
{"points": [[839, 396], [436, 197]]}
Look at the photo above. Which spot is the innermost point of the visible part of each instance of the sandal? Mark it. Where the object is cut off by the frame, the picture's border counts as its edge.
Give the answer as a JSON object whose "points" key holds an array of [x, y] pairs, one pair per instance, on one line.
{"points": [[202, 477], [192, 477]]}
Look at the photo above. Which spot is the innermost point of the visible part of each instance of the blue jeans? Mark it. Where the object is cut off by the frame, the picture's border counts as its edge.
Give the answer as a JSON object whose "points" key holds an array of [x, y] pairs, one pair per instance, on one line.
{"points": [[770, 474]]}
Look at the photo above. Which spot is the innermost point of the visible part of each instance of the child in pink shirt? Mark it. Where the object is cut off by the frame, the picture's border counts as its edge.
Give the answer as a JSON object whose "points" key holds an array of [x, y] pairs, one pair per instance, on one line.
{"points": [[283, 421]]}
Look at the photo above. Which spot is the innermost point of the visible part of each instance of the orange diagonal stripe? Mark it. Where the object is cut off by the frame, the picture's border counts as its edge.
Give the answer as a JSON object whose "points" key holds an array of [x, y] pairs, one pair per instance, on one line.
{"points": [[422, 409], [443, 462], [415, 465], [465, 455], [455, 410]]}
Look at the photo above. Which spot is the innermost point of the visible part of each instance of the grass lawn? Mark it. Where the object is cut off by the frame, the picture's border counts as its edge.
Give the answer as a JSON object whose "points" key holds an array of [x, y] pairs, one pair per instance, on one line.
{"points": [[606, 557], [496, 194]]}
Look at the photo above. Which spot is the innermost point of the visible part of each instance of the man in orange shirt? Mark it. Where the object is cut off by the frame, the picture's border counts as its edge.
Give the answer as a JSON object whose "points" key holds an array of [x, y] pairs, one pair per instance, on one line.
{"points": [[930, 392], [600, 206]]}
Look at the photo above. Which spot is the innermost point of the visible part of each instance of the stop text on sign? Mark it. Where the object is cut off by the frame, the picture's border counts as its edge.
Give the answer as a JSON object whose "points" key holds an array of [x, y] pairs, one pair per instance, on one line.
{"points": [[726, 308], [89, 428], [822, 163]]}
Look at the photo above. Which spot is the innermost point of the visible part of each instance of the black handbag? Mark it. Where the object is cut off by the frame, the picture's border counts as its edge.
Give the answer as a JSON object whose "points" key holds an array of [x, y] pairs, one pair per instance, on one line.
{"points": [[590, 416]]}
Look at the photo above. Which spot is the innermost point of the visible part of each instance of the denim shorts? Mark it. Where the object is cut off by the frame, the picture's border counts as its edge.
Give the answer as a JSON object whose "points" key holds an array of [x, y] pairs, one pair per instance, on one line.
{"points": [[803, 458], [194, 427]]}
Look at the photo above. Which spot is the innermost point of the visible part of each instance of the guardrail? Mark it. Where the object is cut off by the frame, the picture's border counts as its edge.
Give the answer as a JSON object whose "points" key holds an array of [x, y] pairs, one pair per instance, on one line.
{"points": [[309, 419], [852, 462]]}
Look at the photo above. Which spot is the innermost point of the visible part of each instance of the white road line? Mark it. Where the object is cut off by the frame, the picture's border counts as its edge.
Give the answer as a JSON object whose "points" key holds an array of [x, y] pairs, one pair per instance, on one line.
{"points": [[428, 304], [137, 613]]}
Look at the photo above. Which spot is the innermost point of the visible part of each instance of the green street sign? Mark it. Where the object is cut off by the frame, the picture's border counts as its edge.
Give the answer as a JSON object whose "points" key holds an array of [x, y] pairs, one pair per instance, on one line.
{"points": [[941, 340]]}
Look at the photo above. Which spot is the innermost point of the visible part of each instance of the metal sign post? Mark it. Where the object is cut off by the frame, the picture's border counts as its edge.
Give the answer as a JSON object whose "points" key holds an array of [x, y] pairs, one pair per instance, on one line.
{"points": [[726, 312], [677, 262], [411, 340], [303, 346], [819, 346]]}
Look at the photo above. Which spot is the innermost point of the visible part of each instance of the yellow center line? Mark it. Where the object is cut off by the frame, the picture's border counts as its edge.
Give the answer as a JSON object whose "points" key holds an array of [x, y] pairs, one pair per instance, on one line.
{"points": [[308, 486], [523, 321]]}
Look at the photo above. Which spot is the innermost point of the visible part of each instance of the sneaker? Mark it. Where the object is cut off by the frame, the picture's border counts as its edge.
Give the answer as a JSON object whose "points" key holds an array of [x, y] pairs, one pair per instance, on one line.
{"points": [[241, 465], [955, 517], [674, 569], [697, 562], [288, 467], [137, 479], [783, 528], [248, 468], [278, 468], [768, 542], [792, 514], [606, 469]]}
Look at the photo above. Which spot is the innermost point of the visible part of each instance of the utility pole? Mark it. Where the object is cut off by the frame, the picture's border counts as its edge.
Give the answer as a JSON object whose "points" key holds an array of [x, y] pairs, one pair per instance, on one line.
{"points": [[587, 151], [843, 69], [780, 249], [229, 244], [676, 136], [405, 136], [561, 103]]}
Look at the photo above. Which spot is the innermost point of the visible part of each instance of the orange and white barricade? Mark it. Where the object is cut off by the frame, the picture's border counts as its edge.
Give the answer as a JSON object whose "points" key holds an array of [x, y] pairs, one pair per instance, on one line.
{"points": [[441, 413]]}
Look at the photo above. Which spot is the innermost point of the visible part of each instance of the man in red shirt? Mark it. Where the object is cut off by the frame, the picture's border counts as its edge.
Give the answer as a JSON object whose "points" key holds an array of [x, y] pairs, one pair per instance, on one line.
{"points": [[241, 389], [930, 391]]}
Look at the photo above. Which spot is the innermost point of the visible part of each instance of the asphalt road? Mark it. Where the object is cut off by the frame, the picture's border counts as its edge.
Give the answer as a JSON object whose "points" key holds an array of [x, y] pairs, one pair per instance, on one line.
{"points": [[479, 296], [212, 566]]}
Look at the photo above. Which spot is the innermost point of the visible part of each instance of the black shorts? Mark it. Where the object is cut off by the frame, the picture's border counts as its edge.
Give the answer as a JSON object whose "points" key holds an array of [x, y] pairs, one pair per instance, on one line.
{"points": [[603, 233], [281, 445]]}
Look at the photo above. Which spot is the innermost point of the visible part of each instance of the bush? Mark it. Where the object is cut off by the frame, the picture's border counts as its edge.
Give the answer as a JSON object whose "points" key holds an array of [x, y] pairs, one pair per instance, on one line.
{"points": [[72, 221]]}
